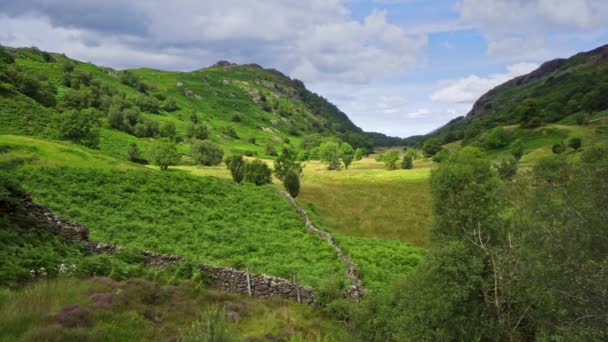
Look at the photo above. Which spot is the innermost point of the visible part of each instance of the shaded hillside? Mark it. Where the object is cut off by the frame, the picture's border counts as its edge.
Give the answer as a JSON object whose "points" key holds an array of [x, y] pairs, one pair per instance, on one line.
{"points": [[556, 90]]}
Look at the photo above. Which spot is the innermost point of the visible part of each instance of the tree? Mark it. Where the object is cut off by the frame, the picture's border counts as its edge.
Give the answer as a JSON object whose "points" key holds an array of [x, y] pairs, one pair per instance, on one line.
{"points": [[287, 162], [258, 173], [79, 127], [347, 154], [529, 113], [292, 183], [517, 150], [581, 119], [558, 148], [271, 150], [170, 105], [440, 156], [197, 131], [359, 153], [431, 147], [329, 153], [390, 159], [507, 168], [236, 164], [575, 143], [206, 152], [164, 154], [167, 130], [407, 163], [313, 153], [133, 152], [496, 138]]}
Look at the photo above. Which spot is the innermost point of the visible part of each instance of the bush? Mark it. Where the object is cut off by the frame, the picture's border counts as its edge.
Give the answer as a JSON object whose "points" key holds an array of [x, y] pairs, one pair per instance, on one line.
{"points": [[558, 148], [231, 132], [197, 131], [575, 143], [79, 127], [407, 163], [133, 152], [164, 154], [496, 138], [329, 153], [292, 183], [581, 119], [167, 130], [441, 155], [359, 154], [431, 147], [507, 168], [390, 159], [271, 150], [236, 164], [258, 173], [170, 105], [236, 117], [206, 152], [287, 162], [517, 150]]}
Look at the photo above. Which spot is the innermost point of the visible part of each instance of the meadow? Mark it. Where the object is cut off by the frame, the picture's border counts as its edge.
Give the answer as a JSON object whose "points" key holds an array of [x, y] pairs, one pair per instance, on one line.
{"points": [[201, 218]]}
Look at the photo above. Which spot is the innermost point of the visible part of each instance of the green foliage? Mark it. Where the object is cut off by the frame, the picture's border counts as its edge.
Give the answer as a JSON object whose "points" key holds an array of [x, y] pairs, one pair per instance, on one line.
{"points": [[359, 154], [197, 131], [292, 183], [170, 105], [581, 119], [431, 147], [258, 173], [496, 138], [390, 159], [440, 156], [407, 163], [558, 148], [575, 143], [287, 162], [329, 153], [133, 152], [167, 130], [347, 154], [206, 152], [528, 112], [271, 150], [517, 149], [231, 132], [507, 168], [164, 154], [237, 165], [79, 127]]}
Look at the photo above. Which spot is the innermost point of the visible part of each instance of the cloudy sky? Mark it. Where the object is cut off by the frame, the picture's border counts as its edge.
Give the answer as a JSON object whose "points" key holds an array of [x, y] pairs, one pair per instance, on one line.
{"points": [[400, 67]]}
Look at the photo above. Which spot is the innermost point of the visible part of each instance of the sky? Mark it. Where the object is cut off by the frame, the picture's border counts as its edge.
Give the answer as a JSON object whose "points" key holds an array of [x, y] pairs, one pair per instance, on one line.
{"points": [[400, 67]]}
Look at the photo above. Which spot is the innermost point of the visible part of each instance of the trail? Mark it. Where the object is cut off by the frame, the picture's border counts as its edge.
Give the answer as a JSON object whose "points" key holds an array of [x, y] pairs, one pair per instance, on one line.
{"points": [[356, 289]]}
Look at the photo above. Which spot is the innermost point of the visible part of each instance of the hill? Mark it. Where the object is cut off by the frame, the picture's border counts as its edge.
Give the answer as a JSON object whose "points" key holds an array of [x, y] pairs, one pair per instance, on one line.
{"points": [[561, 90], [244, 108]]}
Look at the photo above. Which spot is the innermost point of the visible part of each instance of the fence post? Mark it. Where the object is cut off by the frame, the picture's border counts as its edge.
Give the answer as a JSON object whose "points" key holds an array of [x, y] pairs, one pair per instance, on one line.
{"points": [[248, 282]]}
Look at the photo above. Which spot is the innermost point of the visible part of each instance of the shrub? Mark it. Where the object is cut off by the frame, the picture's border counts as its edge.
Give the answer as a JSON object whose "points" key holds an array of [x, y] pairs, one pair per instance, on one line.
{"points": [[133, 152], [292, 183], [287, 162], [431, 147], [558, 148], [236, 117], [164, 154], [236, 164], [258, 173], [441, 155], [206, 152], [581, 119], [79, 127], [329, 153], [359, 154], [197, 131], [170, 105], [575, 143], [517, 150], [496, 138], [407, 162], [167, 130], [231, 132], [507, 168], [347, 154], [271, 150], [251, 140], [390, 159], [313, 154]]}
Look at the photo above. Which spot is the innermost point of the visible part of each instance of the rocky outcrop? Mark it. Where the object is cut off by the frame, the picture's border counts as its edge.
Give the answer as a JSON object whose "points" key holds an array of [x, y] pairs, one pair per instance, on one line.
{"points": [[356, 289]]}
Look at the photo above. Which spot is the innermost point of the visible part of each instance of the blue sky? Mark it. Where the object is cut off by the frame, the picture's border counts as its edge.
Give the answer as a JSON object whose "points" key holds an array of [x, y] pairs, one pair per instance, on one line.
{"points": [[401, 67]]}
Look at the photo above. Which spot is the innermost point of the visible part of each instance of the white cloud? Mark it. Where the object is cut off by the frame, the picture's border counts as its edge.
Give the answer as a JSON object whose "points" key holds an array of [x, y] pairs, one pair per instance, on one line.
{"points": [[468, 89], [531, 29], [311, 40], [419, 113]]}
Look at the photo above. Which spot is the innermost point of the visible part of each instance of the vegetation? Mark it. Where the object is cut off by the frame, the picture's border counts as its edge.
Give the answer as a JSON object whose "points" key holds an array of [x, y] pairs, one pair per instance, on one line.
{"points": [[258, 173], [236, 164], [164, 154], [292, 183], [207, 153]]}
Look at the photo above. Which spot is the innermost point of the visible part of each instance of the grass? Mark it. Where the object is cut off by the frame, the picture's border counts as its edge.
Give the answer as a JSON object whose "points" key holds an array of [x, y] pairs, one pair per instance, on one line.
{"points": [[144, 310], [201, 218], [369, 201]]}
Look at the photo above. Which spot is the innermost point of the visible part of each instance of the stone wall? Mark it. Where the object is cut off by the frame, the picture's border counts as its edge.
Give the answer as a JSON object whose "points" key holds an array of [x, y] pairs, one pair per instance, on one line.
{"points": [[223, 278]]}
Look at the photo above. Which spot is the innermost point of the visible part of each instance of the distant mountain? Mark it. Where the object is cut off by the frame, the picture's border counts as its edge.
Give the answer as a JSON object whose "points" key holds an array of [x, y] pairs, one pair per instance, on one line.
{"points": [[556, 90]]}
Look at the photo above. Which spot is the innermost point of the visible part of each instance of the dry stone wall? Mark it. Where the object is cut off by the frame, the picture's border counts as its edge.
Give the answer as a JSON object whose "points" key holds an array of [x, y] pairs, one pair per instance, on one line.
{"points": [[223, 278]]}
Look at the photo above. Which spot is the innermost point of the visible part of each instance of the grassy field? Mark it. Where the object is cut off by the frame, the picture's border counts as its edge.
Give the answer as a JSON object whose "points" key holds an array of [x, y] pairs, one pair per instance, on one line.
{"points": [[369, 201], [138, 309], [201, 218]]}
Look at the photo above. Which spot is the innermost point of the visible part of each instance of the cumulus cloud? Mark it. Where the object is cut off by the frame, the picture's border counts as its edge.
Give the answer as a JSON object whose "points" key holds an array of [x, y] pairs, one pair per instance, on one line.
{"points": [[521, 29], [311, 40], [468, 89]]}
